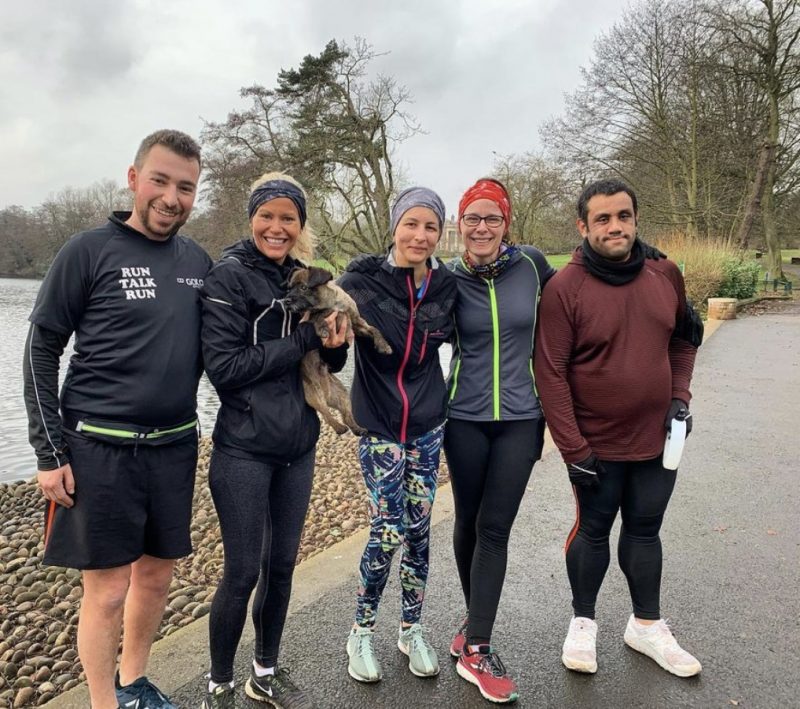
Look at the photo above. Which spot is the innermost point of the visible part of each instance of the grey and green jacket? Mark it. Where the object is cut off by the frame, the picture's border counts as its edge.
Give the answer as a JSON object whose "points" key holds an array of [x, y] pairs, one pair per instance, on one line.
{"points": [[491, 372]]}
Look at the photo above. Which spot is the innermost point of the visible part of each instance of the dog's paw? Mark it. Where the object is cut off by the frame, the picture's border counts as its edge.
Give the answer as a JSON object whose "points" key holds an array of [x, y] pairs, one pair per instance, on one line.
{"points": [[358, 431], [339, 428], [383, 348]]}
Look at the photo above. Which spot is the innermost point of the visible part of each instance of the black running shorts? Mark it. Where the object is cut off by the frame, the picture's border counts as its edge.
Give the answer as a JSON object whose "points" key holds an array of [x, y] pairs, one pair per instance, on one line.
{"points": [[129, 501]]}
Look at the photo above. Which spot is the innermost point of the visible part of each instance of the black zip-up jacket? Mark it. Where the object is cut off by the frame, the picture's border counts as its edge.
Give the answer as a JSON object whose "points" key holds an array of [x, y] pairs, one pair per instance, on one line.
{"points": [[252, 347], [400, 396]]}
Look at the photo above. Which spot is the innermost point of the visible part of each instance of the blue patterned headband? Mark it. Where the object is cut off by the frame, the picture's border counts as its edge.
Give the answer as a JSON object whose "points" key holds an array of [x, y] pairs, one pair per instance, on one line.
{"points": [[273, 189]]}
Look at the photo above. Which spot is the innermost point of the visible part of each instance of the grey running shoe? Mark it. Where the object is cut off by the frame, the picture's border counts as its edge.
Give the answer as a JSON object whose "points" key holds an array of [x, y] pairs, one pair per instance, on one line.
{"points": [[422, 660], [363, 664], [278, 690], [222, 696]]}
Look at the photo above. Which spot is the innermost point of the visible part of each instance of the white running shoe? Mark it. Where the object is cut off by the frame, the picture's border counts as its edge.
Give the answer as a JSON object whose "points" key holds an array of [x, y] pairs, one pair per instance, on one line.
{"points": [[657, 642], [579, 653]]}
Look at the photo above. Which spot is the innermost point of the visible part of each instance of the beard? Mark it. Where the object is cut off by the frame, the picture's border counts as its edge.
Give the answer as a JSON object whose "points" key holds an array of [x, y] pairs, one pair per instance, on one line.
{"points": [[150, 221]]}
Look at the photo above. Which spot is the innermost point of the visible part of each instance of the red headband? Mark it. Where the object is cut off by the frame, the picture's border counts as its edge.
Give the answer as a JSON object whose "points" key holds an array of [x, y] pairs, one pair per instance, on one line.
{"points": [[487, 189]]}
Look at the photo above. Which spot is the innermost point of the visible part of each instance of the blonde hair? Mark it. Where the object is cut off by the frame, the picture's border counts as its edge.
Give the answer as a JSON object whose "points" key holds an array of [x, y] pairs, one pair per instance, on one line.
{"points": [[303, 249]]}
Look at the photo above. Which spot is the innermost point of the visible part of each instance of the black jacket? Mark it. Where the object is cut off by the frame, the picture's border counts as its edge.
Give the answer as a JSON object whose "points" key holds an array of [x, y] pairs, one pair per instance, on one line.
{"points": [[400, 396], [252, 349]]}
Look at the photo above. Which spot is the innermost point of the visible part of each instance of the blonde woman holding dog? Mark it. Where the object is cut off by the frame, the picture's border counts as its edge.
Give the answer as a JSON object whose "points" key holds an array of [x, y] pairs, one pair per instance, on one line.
{"points": [[399, 398], [262, 464]]}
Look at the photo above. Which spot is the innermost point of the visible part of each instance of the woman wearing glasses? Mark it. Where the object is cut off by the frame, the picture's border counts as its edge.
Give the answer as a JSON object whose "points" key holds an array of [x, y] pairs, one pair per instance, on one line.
{"points": [[495, 430]]}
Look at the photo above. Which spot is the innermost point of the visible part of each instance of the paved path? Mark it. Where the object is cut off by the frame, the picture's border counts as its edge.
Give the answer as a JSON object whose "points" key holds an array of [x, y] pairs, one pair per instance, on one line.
{"points": [[731, 572]]}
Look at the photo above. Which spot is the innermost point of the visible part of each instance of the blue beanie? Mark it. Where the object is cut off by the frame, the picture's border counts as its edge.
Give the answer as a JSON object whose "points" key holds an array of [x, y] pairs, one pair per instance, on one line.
{"points": [[417, 197]]}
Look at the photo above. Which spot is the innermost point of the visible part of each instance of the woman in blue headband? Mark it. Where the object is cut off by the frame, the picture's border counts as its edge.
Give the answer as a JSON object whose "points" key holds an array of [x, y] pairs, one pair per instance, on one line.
{"points": [[400, 399], [265, 438]]}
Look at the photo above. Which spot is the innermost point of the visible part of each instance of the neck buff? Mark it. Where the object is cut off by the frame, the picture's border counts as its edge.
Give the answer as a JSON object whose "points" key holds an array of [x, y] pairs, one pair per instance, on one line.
{"points": [[273, 189], [493, 269], [615, 273], [486, 188], [416, 197]]}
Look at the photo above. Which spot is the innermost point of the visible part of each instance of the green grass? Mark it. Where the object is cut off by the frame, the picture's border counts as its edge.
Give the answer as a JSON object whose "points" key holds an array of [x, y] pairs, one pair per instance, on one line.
{"points": [[328, 266], [786, 254], [558, 260]]}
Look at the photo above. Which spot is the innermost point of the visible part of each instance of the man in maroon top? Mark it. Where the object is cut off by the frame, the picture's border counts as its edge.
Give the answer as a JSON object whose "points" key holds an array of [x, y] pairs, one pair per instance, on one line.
{"points": [[614, 357]]}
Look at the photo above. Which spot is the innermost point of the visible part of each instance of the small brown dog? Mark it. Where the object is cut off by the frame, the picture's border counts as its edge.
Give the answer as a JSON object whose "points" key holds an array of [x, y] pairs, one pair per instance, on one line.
{"points": [[312, 291]]}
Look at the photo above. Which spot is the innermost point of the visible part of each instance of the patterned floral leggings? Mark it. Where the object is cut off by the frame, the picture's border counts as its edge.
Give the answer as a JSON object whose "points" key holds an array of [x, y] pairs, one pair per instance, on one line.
{"points": [[401, 481]]}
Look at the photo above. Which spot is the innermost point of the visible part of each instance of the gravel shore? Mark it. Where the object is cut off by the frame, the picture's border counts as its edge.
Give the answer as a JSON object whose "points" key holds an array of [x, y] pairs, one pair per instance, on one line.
{"points": [[39, 604]]}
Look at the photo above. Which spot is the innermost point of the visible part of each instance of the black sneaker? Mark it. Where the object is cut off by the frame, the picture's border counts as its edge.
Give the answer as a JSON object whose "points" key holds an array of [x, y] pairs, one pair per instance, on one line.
{"points": [[223, 696], [141, 694], [278, 690]]}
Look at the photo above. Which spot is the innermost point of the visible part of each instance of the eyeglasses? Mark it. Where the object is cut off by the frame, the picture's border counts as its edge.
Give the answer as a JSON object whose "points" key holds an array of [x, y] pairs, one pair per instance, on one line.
{"points": [[492, 220]]}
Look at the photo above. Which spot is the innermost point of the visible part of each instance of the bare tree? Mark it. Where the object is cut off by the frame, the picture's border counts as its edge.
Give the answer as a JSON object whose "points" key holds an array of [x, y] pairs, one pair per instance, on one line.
{"points": [[769, 32], [671, 104], [331, 127], [542, 196]]}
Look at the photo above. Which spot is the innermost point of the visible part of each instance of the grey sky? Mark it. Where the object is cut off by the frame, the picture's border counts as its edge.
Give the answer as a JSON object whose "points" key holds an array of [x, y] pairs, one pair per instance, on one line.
{"points": [[82, 82]]}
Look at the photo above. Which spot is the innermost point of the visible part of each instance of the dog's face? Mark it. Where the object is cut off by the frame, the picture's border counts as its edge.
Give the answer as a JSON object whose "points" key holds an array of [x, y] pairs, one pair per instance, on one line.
{"points": [[307, 290]]}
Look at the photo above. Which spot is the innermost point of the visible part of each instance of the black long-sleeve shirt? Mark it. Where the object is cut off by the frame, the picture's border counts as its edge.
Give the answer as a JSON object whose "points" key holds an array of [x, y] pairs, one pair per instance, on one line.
{"points": [[43, 349], [134, 306]]}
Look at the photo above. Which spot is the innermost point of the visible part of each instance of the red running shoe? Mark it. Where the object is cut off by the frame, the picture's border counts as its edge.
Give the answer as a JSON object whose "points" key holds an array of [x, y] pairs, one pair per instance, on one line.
{"points": [[485, 670], [459, 640]]}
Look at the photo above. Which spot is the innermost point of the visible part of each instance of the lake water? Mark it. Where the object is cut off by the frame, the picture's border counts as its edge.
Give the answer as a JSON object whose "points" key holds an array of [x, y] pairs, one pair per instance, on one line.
{"points": [[17, 460]]}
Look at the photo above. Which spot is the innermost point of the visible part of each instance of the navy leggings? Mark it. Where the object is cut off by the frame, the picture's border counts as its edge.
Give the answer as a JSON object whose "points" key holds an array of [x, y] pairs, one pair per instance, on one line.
{"points": [[261, 512], [641, 491], [490, 464]]}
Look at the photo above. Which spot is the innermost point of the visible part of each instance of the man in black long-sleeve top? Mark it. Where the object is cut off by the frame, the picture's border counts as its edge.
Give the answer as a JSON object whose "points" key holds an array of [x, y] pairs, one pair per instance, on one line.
{"points": [[117, 453]]}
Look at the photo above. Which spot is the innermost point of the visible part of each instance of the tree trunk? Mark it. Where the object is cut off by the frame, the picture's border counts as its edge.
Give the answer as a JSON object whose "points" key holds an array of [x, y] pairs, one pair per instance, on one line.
{"points": [[771, 238], [753, 205], [773, 261]]}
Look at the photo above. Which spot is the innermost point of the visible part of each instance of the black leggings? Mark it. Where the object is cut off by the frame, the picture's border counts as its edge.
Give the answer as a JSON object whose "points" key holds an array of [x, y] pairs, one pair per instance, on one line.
{"points": [[641, 490], [490, 464], [261, 512]]}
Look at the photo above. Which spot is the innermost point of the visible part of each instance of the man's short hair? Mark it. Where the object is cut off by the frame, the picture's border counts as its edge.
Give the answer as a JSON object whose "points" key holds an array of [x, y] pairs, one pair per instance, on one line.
{"points": [[607, 188], [179, 143]]}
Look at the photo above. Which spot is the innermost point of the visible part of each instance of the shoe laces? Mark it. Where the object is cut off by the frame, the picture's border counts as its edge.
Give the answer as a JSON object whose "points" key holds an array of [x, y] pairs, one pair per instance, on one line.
{"points": [[581, 636], [283, 681], [364, 642], [416, 636], [149, 695], [662, 635], [491, 663]]}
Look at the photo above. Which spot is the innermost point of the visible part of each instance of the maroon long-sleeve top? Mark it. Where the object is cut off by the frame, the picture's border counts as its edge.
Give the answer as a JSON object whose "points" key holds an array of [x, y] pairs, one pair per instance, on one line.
{"points": [[606, 363]]}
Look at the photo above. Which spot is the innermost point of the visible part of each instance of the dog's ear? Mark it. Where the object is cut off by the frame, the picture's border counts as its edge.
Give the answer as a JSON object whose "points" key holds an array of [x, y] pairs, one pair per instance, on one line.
{"points": [[318, 276], [296, 275]]}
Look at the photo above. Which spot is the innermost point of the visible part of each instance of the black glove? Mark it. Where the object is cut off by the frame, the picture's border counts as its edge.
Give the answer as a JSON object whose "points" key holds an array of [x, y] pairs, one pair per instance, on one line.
{"points": [[585, 473], [652, 252], [679, 410]]}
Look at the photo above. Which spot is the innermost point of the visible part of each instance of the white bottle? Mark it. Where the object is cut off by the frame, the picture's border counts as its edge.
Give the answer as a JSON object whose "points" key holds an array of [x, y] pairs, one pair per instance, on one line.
{"points": [[673, 445]]}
